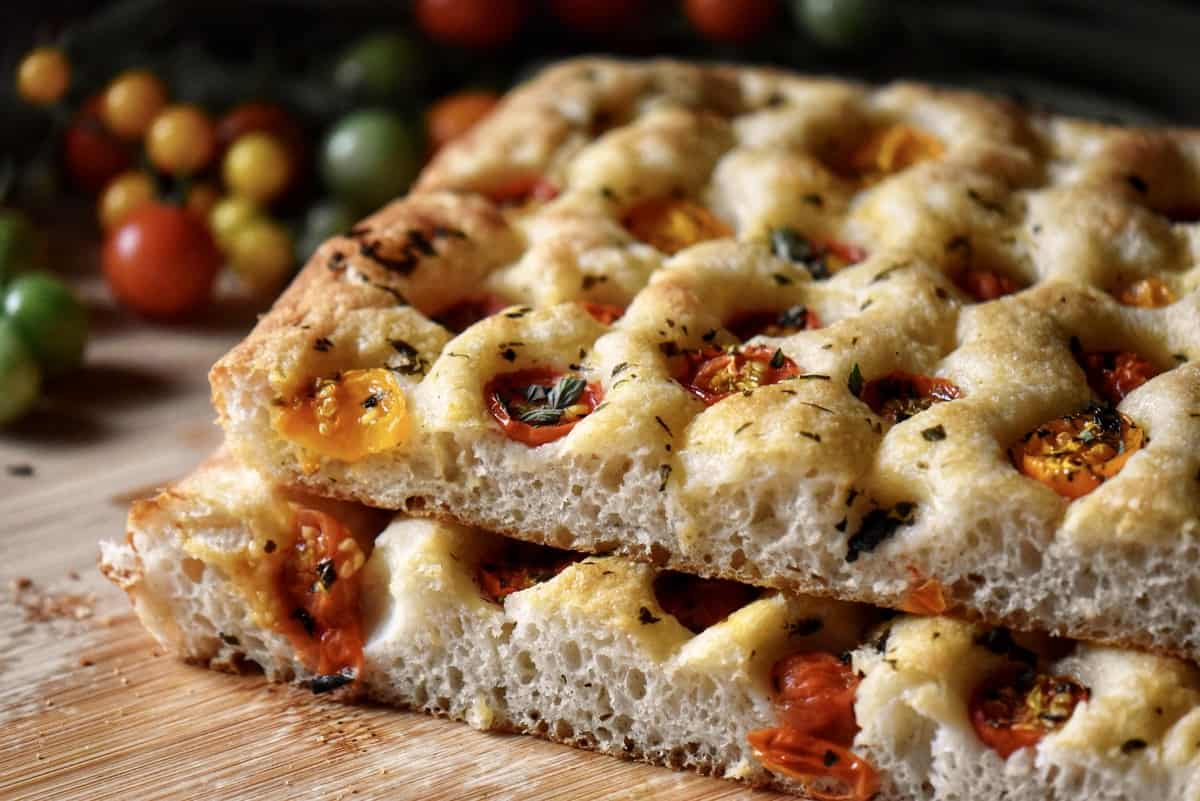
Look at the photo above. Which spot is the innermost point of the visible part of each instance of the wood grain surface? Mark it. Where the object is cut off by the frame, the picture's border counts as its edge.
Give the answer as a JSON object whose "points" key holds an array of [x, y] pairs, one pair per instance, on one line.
{"points": [[91, 709]]}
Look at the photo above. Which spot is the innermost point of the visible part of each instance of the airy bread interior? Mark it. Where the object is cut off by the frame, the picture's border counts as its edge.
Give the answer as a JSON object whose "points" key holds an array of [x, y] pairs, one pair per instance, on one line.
{"points": [[591, 658]]}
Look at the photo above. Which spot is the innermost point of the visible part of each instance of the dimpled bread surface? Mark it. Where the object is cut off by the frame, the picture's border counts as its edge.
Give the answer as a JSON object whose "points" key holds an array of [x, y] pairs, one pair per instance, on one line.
{"points": [[591, 658], [771, 486]]}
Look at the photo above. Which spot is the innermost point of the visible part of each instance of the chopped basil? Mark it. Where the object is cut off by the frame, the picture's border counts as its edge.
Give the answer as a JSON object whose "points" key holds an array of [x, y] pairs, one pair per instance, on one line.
{"points": [[777, 359], [855, 381]]}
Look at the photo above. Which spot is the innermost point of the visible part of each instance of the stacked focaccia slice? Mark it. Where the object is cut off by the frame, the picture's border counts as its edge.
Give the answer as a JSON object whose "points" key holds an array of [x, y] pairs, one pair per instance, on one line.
{"points": [[822, 698], [902, 346]]}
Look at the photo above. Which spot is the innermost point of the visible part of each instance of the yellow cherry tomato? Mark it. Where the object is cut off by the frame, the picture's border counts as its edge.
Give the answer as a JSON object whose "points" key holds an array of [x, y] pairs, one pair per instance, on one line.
{"points": [[43, 76], [126, 192], [349, 417], [201, 199], [132, 101], [181, 140], [260, 252], [257, 167], [229, 214]]}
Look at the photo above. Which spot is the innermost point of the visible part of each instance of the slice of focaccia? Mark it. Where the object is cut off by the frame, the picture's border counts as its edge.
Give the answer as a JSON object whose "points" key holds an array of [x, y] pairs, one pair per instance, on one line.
{"points": [[904, 346], [821, 698]]}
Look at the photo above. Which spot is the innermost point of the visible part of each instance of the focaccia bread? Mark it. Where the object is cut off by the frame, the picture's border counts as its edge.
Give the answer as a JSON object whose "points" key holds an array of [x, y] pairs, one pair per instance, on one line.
{"points": [[615, 656], [905, 346]]}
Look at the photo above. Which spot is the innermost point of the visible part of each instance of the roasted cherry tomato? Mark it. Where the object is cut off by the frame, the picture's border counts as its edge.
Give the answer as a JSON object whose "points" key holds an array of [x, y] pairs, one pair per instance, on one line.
{"points": [[132, 101], [461, 316], [1016, 707], [161, 261], [538, 406], [900, 395], [43, 76], [1148, 293], [93, 156], [698, 603], [984, 285], [598, 16], [319, 584], [885, 151], [713, 374], [731, 20], [453, 116], [349, 417], [519, 566], [603, 313], [181, 140], [50, 318], [672, 224], [820, 257], [521, 189], [1075, 454], [20, 376], [1114, 374], [791, 320], [814, 700], [471, 23]]}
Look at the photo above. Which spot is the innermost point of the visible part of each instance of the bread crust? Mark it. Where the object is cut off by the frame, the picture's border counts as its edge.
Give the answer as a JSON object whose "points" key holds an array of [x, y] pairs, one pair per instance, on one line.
{"points": [[771, 488]]}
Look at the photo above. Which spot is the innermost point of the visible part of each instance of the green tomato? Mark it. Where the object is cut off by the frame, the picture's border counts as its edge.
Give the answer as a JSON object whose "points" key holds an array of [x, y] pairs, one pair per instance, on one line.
{"points": [[323, 221], [378, 67], [370, 157], [21, 245], [51, 320], [842, 24], [20, 376]]}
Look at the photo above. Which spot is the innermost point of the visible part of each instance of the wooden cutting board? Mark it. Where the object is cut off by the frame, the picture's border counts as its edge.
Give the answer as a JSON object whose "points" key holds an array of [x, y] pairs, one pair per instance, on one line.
{"points": [[91, 709]]}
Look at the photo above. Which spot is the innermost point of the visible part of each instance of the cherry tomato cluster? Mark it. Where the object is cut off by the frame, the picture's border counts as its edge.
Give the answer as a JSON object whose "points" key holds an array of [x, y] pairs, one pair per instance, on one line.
{"points": [[43, 326]]}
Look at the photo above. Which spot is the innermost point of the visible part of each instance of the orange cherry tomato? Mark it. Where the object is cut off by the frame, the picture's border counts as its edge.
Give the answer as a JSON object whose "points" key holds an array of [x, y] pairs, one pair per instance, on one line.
{"points": [[731, 20], [1075, 454], [537, 406], [161, 261], [603, 313], [814, 699], [888, 150], [519, 566], [1114, 374], [320, 582], [712, 374], [900, 395], [350, 416], [1147, 293], [672, 224], [471, 23], [461, 316], [791, 320], [984, 285], [93, 156], [520, 189], [698, 603], [453, 116], [1016, 707]]}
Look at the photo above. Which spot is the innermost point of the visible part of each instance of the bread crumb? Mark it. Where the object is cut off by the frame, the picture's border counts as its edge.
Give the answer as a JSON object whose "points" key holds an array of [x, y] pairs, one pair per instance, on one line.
{"points": [[41, 607]]}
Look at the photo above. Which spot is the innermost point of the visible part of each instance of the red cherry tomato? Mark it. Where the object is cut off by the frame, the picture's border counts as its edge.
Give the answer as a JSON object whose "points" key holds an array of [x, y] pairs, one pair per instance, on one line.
{"points": [[597, 16], [161, 261], [92, 154], [730, 20], [471, 23]]}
